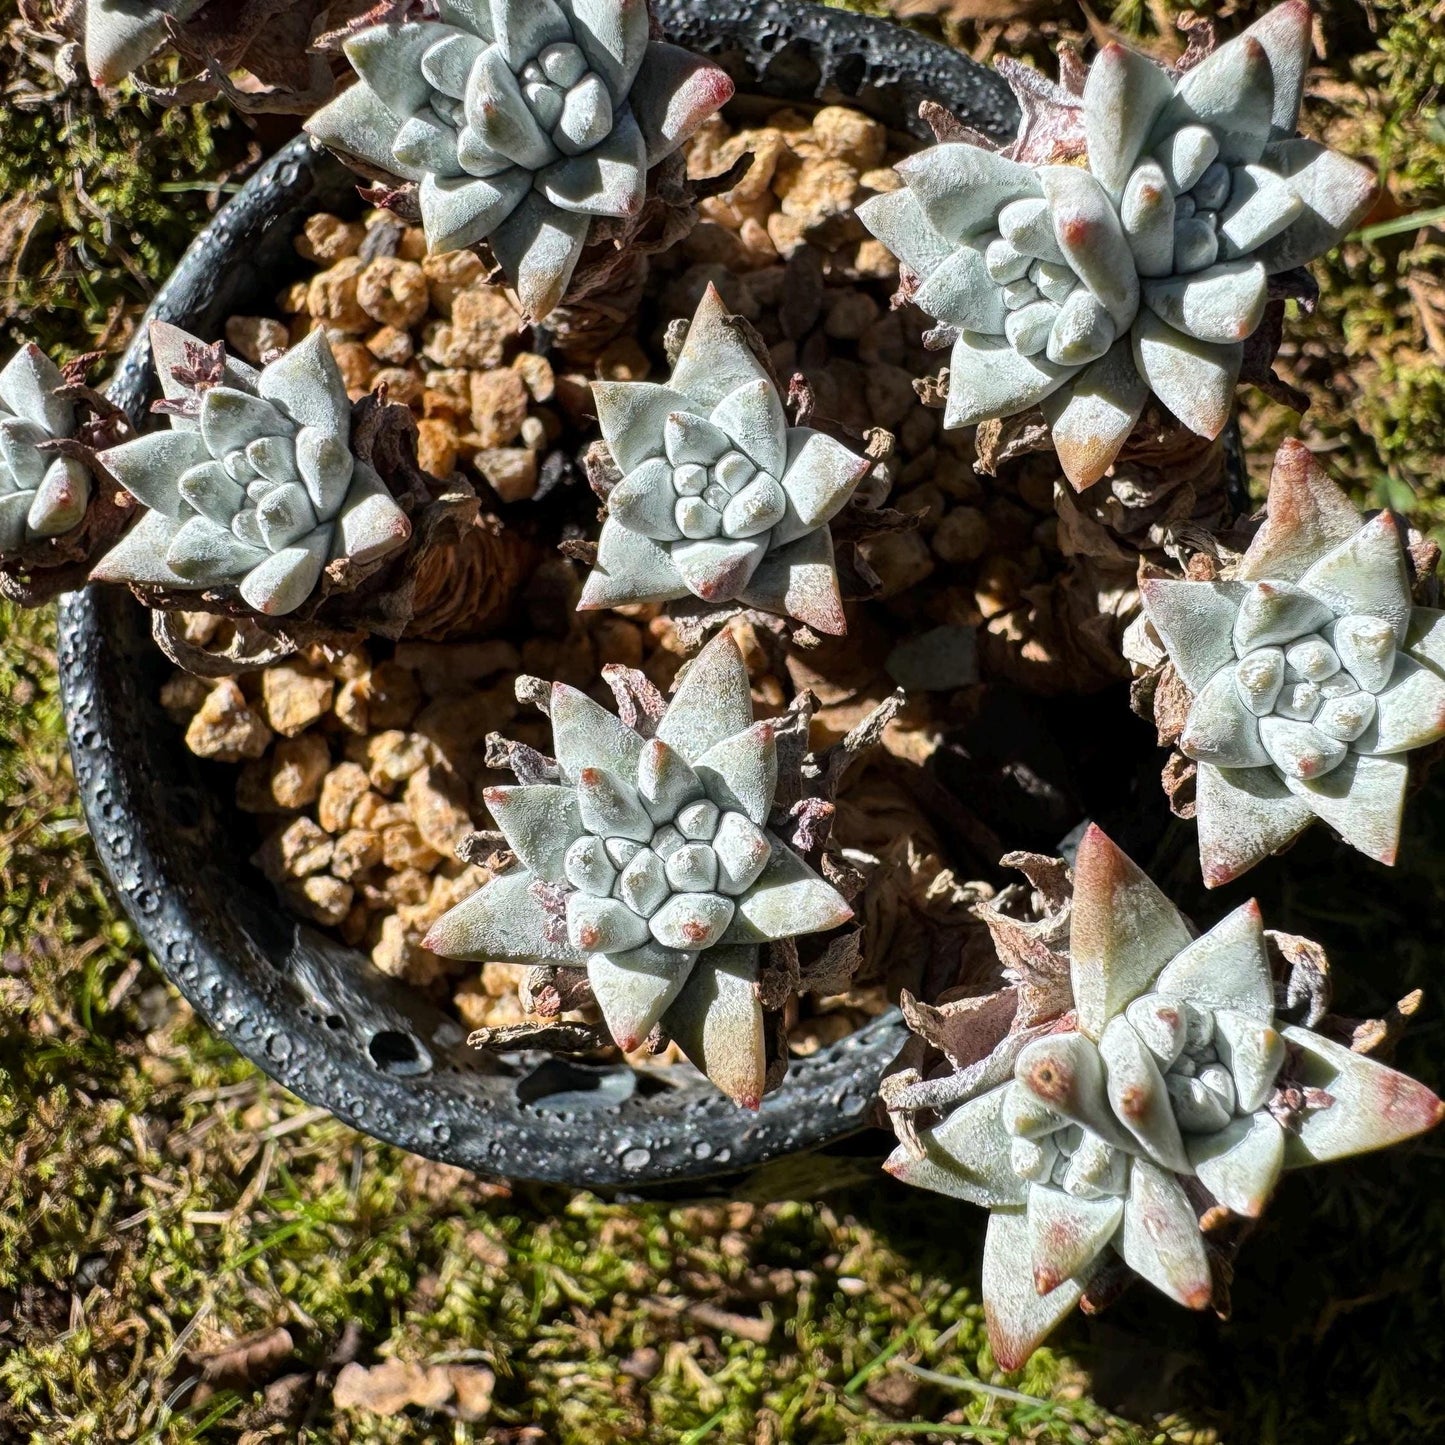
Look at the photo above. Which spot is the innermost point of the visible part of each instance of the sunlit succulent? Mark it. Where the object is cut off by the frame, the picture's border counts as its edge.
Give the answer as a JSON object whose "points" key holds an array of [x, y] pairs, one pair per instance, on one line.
{"points": [[720, 497], [255, 486], [521, 120], [1083, 287], [1312, 673], [1170, 1088], [41, 495], [123, 34], [649, 861]]}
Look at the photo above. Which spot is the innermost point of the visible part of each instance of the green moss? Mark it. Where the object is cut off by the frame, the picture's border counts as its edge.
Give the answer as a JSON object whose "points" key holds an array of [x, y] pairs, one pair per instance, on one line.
{"points": [[108, 194]]}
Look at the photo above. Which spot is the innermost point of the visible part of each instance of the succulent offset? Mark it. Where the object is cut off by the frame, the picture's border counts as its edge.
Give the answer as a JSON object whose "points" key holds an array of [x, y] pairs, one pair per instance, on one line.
{"points": [[255, 486], [719, 496], [1312, 675], [1145, 267], [1171, 1068], [41, 495], [521, 121], [648, 860]]}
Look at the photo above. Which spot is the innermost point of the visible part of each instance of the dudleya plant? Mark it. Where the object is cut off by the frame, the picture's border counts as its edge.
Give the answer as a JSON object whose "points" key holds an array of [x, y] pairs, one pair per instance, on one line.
{"points": [[647, 859], [1168, 1092], [41, 494], [1312, 674], [1127, 242], [720, 498], [521, 121], [255, 486]]}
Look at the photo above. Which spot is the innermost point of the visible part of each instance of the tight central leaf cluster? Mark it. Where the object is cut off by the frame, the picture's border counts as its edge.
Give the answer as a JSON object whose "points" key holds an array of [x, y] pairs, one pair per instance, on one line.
{"points": [[255, 486], [664, 879], [720, 497], [1170, 1074], [521, 121], [1084, 288], [40, 495]]}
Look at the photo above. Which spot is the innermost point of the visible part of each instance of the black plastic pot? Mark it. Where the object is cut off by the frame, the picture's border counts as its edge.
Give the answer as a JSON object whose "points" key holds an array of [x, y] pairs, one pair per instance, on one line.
{"points": [[316, 1016]]}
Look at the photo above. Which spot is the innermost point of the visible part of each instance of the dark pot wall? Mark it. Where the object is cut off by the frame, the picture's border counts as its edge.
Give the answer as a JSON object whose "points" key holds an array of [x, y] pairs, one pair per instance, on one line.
{"points": [[316, 1016]]}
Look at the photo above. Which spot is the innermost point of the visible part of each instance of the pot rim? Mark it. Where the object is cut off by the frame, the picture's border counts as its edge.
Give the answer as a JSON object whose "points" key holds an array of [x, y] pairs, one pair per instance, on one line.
{"points": [[314, 1015]]}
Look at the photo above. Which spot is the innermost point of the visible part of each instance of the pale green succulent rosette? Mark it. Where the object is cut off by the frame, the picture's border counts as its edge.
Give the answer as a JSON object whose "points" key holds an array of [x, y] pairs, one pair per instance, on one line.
{"points": [[255, 485], [521, 121], [1313, 674], [1084, 288], [41, 495], [1174, 1087], [649, 862], [720, 498]]}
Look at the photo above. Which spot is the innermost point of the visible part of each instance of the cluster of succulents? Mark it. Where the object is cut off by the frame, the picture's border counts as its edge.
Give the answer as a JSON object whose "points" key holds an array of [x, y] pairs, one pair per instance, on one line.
{"points": [[1082, 289], [1127, 244], [1169, 1089], [41, 494], [719, 497], [645, 857], [255, 486], [520, 121], [1312, 673]]}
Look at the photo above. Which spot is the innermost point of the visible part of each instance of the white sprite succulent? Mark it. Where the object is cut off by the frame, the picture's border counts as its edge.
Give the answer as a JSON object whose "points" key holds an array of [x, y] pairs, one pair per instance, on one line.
{"points": [[521, 121], [720, 497], [41, 495], [1083, 287], [1173, 1088], [1312, 672], [255, 486], [649, 862]]}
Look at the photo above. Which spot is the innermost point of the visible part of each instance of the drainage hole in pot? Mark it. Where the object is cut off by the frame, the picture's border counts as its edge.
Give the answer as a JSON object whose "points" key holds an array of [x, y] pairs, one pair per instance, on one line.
{"points": [[559, 1087], [394, 1052], [794, 69], [849, 74]]}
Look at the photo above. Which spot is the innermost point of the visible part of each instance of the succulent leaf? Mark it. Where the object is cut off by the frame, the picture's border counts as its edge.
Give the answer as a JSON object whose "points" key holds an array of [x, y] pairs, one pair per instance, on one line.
{"points": [[521, 120], [1017, 1315], [121, 35], [1373, 1106], [1123, 931], [1160, 1237], [1303, 702], [717, 486], [655, 851], [717, 1022], [1194, 191], [288, 425]]}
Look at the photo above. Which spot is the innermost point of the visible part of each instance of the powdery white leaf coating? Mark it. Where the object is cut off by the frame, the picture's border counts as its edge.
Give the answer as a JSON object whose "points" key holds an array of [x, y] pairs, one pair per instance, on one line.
{"points": [[1088, 1146], [41, 495], [1195, 192], [668, 879], [1310, 673], [521, 122], [721, 499], [259, 488]]}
